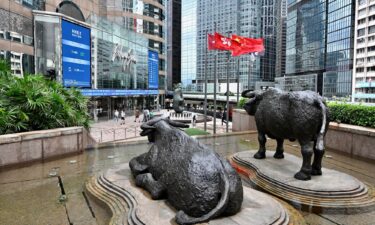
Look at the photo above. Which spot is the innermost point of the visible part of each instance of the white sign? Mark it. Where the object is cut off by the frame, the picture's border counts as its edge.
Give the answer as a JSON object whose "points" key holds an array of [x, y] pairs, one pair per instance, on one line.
{"points": [[127, 58]]}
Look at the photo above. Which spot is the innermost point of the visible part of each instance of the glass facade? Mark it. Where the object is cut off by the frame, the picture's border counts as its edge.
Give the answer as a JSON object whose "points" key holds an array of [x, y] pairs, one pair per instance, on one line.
{"points": [[249, 18], [337, 80], [189, 45], [111, 72], [320, 40], [305, 46]]}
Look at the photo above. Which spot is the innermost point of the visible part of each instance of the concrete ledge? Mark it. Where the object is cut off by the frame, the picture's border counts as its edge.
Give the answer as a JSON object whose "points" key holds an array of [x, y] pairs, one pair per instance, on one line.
{"points": [[353, 140], [41, 145]]}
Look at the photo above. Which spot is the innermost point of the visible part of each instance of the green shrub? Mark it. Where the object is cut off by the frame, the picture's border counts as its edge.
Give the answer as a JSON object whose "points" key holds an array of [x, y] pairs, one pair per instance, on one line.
{"points": [[241, 102], [36, 103], [195, 131], [359, 115]]}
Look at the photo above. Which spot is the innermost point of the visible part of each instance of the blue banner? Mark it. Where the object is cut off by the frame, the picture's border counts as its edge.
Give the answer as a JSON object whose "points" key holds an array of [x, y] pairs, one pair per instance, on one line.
{"points": [[76, 55], [114, 92], [153, 70]]}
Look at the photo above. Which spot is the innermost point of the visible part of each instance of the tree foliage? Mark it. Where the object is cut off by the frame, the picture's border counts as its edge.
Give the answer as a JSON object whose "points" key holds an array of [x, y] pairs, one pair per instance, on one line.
{"points": [[36, 103]]}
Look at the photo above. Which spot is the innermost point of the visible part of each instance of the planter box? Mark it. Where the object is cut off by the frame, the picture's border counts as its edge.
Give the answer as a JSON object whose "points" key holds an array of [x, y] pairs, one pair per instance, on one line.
{"points": [[40, 145], [353, 140]]}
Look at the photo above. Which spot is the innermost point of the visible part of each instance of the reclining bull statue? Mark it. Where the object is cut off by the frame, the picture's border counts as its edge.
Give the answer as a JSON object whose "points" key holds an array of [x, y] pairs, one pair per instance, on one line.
{"points": [[299, 115], [193, 178]]}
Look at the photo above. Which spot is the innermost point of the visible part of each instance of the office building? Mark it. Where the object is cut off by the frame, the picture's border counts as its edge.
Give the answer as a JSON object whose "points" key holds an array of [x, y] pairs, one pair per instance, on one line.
{"points": [[319, 49], [249, 18], [122, 54], [364, 52], [282, 12], [173, 36]]}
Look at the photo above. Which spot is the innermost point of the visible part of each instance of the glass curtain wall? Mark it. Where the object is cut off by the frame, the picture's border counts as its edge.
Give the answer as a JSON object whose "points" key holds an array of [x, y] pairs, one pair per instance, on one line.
{"points": [[189, 44]]}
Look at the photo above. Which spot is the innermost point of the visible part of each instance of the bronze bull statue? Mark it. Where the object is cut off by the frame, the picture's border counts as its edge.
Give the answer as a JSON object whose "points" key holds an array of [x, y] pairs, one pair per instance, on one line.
{"points": [[192, 177], [299, 115]]}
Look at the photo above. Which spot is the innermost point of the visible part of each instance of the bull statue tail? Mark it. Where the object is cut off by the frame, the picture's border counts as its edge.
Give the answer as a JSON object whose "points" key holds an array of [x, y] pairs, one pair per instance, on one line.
{"points": [[183, 219], [320, 140]]}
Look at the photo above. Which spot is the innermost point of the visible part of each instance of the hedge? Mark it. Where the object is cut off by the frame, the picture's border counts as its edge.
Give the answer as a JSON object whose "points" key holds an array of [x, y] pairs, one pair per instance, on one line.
{"points": [[340, 112], [353, 114]]}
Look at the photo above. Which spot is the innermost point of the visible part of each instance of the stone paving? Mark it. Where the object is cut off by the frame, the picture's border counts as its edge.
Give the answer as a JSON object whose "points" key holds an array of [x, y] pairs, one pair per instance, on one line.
{"points": [[111, 130], [30, 195]]}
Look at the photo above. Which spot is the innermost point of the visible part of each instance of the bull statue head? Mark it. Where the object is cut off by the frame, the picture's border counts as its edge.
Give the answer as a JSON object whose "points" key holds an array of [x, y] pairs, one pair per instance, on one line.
{"points": [[149, 128], [252, 105]]}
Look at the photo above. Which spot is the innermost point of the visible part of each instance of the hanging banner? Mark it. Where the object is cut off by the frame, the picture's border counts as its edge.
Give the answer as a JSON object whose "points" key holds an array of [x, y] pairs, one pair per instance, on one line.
{"points": [[153, 70], [76, 55]]}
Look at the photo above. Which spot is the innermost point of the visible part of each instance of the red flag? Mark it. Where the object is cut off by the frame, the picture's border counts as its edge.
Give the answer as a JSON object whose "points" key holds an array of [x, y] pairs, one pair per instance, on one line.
{"points": [[211, 43], [224, 43], [247, 45]]}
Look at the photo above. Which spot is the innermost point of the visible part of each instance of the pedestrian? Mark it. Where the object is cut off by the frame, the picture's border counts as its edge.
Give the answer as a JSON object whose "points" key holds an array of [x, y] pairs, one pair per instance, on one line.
{"points": [[116, 115], [223, 118], [122, 117], [194, 119], [137, 113]]}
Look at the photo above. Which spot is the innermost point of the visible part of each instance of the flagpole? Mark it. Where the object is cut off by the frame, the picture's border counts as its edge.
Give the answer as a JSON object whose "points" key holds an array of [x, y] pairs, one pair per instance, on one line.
{"points": [[228, 33], [238, 80], [214, 129], [205, 85]]}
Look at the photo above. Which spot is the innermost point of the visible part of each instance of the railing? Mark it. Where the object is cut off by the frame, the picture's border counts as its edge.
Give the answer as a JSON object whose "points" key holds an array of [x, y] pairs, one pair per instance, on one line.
{"points": [[114, 134]]}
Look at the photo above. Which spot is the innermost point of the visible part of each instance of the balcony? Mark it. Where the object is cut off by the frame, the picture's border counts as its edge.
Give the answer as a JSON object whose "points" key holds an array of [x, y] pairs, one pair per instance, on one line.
{"points": [[364, 95], [363, 84]]}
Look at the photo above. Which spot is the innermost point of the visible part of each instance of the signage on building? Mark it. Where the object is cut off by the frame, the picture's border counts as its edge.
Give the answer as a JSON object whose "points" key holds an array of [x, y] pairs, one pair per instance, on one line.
{"points": [[153, 70], [126, 58], [76, 55], [116, 92]]}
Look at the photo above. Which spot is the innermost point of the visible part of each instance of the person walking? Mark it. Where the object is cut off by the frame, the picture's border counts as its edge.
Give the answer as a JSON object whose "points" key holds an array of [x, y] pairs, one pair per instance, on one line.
{"points": [[137, 113], [194, 119], [116, 115], [122, 117]]}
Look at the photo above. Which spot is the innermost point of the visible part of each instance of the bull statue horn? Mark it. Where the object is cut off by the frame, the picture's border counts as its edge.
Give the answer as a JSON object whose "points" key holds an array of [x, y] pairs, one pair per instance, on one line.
{"points": [[178, 124], [248, 94]]}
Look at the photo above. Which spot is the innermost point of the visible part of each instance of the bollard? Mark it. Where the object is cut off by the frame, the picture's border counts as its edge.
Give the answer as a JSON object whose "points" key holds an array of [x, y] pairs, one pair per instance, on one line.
{"points": [[114, 134], [125, 133], [101, 135], [135, 131]]}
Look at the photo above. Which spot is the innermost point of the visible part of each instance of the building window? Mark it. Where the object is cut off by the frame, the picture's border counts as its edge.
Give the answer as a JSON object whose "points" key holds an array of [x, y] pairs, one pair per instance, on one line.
{"points": [[360, 70], [371, 49], [362, 12], [360, 50], [361, 2], [371, 30], [361, 32], [361, 40], [361, 21]]}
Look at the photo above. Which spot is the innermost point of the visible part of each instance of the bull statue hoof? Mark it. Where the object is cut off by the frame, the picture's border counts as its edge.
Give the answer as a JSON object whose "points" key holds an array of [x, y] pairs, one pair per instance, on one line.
{"points": [[278, 155], [316, 172], [260, 155], [192, 177], [300, 115], [302, 176]]}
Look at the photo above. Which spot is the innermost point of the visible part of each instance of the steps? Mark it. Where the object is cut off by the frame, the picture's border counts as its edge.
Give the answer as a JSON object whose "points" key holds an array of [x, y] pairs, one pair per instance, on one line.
{"points": [[133, 206], [333, 191]]}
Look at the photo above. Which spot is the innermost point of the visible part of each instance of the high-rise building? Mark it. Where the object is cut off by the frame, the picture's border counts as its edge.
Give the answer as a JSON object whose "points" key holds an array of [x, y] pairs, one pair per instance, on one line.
{"points": [[282, 12], [189, 44], [173, 21], [364, 52], [319, 47], [249, 18]]}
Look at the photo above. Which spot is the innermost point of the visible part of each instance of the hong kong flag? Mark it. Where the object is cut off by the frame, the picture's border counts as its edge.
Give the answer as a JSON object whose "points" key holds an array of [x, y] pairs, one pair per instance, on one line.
{"points": [[246, 45], [220, 42], [211, 43]]}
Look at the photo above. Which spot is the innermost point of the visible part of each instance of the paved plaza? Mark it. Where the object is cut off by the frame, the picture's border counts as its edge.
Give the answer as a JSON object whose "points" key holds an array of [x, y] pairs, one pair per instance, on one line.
{"points": [[117, 130], [34, 194]]}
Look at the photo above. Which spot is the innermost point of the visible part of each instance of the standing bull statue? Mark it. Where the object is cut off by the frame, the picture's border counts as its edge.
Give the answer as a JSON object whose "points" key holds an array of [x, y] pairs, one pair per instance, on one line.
{"points": [[300, 115], [178, 101], [193, 178]]}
